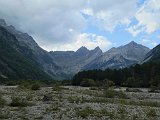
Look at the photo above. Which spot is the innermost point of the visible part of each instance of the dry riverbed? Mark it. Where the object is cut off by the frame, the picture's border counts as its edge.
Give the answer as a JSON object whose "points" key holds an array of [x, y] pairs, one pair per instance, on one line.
{"points": [[77, 103]]}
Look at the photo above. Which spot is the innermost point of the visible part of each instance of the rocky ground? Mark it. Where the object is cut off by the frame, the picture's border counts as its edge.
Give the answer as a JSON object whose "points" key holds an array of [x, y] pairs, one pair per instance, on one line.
{"points": [[77, 103]]}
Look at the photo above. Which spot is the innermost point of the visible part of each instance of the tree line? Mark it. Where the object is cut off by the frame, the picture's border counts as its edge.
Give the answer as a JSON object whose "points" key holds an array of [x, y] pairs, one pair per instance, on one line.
{"points": [[145, 75]]}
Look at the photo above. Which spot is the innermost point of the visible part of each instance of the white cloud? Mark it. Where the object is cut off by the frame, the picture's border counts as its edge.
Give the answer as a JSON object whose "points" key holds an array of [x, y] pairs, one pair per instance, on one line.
{"points": [[88, 11], [61, 25], [60, 22], [126, 21], [110, 13], [148, 17], [149, 42], [88, 40], [135, 30], [50, 20]]}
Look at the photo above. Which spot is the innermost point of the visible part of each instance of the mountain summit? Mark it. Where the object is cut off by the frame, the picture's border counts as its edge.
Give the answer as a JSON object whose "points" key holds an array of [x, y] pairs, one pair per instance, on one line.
{"points": [[2, 22], [123, 56]]}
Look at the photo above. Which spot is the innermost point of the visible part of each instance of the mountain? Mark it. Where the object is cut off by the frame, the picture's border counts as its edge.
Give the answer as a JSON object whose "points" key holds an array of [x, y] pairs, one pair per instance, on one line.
{"points": [[33, 51], [14, 64], [123, 56], [72, 62], [58, 64], [153, 55]]}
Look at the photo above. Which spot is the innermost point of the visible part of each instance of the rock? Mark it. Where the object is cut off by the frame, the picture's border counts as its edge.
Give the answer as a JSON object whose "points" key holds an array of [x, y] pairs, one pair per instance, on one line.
{"points": [[133, 90]]}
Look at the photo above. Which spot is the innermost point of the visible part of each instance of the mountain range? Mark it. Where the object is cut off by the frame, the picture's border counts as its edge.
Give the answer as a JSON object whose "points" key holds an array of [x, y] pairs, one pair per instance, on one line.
{"points": [[22, 58]]}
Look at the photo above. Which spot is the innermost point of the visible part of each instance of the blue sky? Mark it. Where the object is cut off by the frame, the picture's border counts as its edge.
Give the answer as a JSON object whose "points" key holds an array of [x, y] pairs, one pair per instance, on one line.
{"points": [[68, 25]]}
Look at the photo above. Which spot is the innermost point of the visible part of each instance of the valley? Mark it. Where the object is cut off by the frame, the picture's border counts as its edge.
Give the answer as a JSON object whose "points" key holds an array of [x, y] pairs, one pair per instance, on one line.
{"points": [[80, 60], [78, 103]]}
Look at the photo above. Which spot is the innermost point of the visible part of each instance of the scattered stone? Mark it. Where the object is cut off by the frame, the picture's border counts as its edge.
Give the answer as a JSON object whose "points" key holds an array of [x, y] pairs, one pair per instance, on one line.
{"points": [[133, 90]]}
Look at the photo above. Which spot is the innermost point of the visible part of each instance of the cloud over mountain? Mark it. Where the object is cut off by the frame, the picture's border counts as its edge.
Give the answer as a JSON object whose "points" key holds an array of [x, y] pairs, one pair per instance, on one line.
{"points": [[64, 23]]}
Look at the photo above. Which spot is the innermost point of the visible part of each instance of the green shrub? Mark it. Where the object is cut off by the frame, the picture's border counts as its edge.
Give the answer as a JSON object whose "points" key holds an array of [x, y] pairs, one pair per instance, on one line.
{"points": [[35, 86], [29, 97], [58, 88], [24, 85], [154, 89], [87, 83], [114, 94], [107, 83], [2, 101], [74, 99], [84, 113], [151, 113], [18, 102]]}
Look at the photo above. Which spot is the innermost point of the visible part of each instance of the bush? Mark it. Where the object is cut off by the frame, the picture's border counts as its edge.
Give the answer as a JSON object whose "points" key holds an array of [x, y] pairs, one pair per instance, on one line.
{"points": [[151, 113], [18, 102], [87, 83], [35, 86], [59, 88], [84, 113], [133, 90], [114, 94], [75, 99], [24, 85], [2, 101], [108, 83], [154, 89]]}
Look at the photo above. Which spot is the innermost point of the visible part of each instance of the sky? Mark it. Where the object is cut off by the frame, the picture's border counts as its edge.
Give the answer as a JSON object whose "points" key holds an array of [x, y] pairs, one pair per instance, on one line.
{"points": [[61, 25]]}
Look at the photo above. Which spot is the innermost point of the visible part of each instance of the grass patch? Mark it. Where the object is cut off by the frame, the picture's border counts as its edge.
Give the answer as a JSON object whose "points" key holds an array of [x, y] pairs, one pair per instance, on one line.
{"points": [[84, 113], [75, 99], [35, 86], [151, 113], [3, 116], [88, 111], [29, 97], [122, 101], [2, 101], [121, 110], [58, 88], [52, 109], [19, 102], [109, 93]]}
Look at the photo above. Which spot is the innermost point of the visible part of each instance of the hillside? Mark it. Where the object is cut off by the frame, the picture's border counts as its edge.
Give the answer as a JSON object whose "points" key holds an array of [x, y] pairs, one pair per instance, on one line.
{"points": [[14, 64], [153, 55]]}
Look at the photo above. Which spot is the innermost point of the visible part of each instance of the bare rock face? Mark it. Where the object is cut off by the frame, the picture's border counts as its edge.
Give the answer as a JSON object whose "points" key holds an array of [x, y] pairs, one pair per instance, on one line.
{"points": [[31, 49], [153, 55], [73, 62], [123, 56], [2, 22]]}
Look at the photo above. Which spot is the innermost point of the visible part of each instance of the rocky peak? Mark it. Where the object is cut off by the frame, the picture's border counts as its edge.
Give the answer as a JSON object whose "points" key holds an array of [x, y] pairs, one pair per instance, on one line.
{"points": [[82, 50], [132, 43], [12, 27], [97, 49], [2, 22]]}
